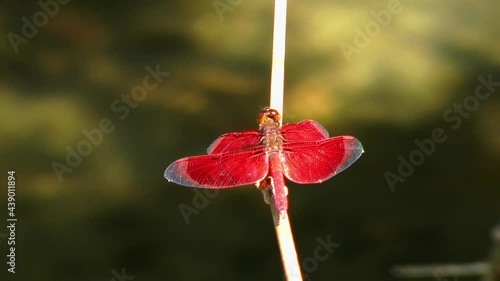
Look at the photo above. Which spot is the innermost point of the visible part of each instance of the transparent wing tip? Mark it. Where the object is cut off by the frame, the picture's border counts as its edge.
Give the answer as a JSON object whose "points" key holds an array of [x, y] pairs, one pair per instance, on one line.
{"points": [[353, 150]]}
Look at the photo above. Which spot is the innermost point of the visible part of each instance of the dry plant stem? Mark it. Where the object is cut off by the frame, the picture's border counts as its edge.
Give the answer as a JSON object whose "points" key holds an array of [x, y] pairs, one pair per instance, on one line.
{"points": [[441, 270], [489, 270], [287, 247], [278, 66], [281, 223]]}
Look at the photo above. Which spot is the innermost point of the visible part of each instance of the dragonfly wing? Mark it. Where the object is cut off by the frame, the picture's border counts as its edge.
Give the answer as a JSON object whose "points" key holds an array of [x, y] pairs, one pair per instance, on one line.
{"points": [[220, 170], [317, 161], [307, 130], [231, 141]]}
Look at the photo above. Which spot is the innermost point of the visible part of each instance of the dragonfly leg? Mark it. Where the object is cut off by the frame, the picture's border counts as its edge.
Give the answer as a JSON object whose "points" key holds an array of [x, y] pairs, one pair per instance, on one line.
{"points": [[266, 186]]}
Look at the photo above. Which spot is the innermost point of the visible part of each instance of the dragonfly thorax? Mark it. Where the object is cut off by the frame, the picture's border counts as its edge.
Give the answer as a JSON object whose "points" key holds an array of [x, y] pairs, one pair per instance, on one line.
{"points": [[271, 137]]}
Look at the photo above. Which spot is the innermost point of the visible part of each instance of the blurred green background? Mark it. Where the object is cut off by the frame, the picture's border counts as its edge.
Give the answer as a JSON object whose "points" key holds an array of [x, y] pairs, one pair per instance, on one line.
{"points": [[115, 210]]}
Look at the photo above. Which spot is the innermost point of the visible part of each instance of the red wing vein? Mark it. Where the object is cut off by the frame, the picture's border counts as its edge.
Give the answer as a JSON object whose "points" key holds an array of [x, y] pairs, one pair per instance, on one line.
{"points": [[307, 130], [219, 170], [232, 141], [317, 161]]}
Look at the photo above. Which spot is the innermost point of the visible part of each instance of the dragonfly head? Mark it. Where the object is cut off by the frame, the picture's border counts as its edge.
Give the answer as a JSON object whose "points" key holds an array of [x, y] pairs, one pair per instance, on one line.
{"points": [[268, 113]]}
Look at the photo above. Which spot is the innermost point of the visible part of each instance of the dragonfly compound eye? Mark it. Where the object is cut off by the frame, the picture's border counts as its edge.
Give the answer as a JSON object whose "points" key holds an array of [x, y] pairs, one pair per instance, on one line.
{"points": [[268, 113]]}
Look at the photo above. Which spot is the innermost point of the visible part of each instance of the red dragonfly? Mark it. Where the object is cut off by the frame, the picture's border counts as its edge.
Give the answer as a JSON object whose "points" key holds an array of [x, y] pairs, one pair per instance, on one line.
{"points": [[302, 152]]}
